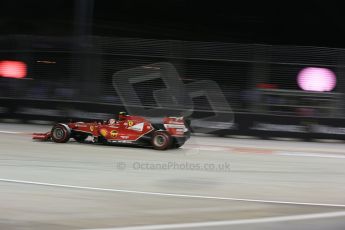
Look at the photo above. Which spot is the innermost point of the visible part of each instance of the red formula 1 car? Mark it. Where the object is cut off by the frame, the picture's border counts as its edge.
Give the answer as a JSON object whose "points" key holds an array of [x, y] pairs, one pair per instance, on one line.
{"points": [[128, 130]]}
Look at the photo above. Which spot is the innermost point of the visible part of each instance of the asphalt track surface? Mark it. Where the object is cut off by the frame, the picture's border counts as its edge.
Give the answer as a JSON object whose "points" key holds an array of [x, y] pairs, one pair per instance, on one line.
{"points": [[210, 183]]}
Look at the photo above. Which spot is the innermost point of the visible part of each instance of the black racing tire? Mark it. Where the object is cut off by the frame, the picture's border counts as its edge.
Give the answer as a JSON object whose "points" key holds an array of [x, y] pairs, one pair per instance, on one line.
{"points": [[80, 137], [161, 140], [60, 133]]}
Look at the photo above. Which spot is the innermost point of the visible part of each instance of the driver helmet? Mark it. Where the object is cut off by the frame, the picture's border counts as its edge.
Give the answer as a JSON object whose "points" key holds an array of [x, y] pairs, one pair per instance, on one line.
{"points": [[122, 115]]}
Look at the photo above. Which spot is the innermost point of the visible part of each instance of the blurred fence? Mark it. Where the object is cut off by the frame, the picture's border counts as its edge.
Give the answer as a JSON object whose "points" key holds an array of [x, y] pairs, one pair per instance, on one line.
{"points": [[230, 88]]}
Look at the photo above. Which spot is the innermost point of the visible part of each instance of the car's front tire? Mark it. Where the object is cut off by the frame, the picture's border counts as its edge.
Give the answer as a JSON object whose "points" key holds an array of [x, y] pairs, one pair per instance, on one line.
{"points": [[60, 133]]}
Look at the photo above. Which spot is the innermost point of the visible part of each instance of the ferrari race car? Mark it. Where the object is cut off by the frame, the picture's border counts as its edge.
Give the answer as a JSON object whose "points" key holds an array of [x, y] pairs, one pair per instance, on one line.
{"points": [[129, 130]]}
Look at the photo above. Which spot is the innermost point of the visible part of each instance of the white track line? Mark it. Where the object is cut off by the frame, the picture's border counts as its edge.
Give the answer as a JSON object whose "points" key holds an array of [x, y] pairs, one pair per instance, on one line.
{"points": [[305, 154], [231, 222], [171, 194], [10, 132]]}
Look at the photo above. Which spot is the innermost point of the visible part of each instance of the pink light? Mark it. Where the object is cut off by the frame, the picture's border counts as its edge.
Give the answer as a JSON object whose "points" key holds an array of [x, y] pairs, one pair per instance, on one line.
{"points": [[12, 69], [316, 79]]}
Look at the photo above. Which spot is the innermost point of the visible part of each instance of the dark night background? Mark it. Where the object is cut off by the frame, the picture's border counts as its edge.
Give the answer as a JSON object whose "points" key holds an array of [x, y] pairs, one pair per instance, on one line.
{"points": [[74, 48], [317, 23]]}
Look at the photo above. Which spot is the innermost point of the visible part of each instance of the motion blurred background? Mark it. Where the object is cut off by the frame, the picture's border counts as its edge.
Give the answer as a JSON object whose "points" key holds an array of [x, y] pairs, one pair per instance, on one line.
{"points": [[279, 66]]}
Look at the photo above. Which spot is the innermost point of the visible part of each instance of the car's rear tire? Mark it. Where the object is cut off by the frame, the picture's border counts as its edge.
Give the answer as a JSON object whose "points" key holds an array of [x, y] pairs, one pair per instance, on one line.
{"points": [[161, 140], [60, 133]]}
